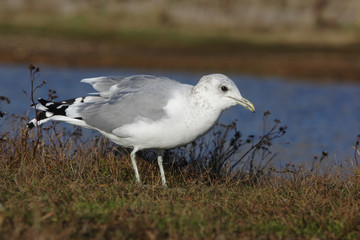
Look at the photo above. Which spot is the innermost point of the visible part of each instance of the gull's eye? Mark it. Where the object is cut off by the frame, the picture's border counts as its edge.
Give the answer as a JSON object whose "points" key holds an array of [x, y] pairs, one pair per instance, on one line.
{"points": [[224, 88]]}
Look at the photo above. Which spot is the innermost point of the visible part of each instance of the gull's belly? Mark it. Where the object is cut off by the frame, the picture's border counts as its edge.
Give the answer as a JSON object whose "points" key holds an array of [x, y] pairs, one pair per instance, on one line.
{"points": [[164, 134]]}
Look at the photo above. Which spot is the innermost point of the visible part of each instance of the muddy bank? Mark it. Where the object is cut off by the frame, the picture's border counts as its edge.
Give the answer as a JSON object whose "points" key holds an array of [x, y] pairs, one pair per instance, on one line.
{"points": [[315, 39], [305, 62]]}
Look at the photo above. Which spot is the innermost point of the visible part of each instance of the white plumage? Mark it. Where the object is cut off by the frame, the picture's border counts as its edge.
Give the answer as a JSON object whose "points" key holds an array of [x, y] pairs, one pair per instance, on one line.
{"points": [[147, 112]]}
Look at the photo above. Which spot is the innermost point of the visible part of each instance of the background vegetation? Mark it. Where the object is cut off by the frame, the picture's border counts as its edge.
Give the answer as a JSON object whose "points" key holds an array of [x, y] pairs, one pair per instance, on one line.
{"points": [[62, 187], [317, 39], [291, 19]]}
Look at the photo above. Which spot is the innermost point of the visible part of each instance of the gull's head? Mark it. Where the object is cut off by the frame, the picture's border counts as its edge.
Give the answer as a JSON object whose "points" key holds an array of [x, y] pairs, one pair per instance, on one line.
{"points": [[221, 92]]}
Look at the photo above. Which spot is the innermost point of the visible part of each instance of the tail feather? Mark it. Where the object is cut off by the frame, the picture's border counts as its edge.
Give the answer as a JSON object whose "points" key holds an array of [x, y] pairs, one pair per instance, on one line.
{"points": [[50, 109]]}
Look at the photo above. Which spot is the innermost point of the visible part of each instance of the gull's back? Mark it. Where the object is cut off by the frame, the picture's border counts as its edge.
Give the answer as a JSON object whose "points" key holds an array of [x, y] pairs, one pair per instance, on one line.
{"points": [[125, 99]]}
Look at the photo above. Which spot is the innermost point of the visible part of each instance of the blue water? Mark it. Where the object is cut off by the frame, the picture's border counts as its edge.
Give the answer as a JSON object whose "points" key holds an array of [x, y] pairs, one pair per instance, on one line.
{"points": [[320, 116]]}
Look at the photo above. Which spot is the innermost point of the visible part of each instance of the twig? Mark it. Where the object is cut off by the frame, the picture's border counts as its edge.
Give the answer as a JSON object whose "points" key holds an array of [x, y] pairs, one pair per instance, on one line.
{"points": [[34, 74]]}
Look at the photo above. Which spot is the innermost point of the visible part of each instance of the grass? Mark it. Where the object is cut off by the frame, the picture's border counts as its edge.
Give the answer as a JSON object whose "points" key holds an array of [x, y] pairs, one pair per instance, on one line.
{"points": [[57, 184], [60, 186], [103, 29]]}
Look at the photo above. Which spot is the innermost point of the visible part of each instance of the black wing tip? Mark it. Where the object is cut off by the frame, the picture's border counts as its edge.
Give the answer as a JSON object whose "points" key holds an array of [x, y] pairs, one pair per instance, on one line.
{"points": [[30, 125], [42, 101]]}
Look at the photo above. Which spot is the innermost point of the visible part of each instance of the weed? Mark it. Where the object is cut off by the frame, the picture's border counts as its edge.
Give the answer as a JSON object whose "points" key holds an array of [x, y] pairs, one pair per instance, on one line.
{"points": [[3, 99], [65, 186]]}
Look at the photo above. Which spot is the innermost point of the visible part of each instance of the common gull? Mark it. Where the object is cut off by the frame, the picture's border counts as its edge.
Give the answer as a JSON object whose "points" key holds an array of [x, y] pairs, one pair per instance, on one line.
{"points": [[147, 112]]}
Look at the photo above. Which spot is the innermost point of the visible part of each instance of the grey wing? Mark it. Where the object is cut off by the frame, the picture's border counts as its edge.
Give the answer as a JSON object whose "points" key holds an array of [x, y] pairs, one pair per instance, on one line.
{"points": [[108, 86], [125, 99]]}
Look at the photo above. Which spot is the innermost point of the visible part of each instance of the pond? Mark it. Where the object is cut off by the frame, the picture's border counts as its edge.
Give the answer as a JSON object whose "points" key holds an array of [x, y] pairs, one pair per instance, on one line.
{"points": [[320, 116]]}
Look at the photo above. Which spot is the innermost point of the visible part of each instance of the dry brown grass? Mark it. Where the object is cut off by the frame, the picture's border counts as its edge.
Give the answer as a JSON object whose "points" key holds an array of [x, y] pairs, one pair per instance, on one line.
{"points": [[60, 186]]}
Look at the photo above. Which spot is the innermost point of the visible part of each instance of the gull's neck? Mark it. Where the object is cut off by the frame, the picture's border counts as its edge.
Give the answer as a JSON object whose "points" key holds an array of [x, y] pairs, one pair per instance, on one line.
{"points": [[201, 114]]}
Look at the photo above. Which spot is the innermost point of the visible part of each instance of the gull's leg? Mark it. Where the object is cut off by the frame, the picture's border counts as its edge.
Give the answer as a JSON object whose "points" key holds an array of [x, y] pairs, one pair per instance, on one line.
{"points": [[160, 162], [133, 161]]}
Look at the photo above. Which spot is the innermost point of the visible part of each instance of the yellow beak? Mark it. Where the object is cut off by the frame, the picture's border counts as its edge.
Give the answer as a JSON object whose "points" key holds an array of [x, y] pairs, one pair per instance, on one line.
{"points": [[245, 103]]}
